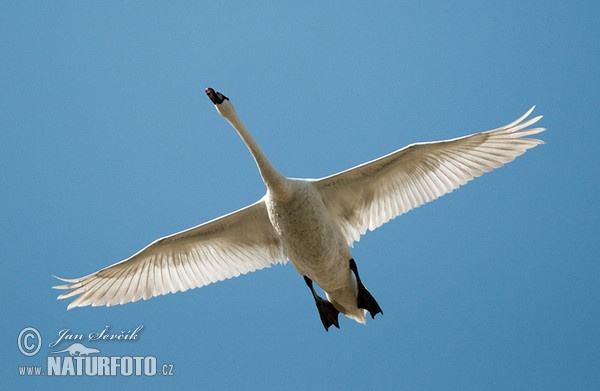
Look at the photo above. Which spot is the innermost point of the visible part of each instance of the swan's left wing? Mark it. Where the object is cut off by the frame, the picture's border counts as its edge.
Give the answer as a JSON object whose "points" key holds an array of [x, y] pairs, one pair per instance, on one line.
{"points": [[369, 195], [234, 244]]}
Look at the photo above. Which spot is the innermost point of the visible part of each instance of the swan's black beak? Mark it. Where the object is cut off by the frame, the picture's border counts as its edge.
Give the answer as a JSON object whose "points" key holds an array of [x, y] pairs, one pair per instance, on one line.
{"points": [[215, 97]]}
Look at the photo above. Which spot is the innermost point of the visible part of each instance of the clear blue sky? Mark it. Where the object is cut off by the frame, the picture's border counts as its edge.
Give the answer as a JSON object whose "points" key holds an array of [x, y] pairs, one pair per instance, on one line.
{"points": [[107, 142]]}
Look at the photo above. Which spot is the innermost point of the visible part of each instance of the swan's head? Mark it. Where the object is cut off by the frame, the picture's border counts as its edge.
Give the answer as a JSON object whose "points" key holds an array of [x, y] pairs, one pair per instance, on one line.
{"points": [[224, 107], [216, 97]]}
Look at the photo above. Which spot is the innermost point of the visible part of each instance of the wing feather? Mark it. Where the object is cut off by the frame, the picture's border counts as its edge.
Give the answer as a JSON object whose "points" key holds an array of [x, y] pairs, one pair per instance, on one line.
{"points": [[367, 196], [235, 244]]}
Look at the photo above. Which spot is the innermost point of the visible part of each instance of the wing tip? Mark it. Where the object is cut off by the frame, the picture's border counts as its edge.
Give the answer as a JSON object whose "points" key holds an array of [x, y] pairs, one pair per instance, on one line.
{"points": [[69, 282]]}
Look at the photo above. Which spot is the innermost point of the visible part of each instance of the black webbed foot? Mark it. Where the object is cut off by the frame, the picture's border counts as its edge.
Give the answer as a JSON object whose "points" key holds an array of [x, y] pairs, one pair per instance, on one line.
{"points": [[327, 312], [364, 298]]}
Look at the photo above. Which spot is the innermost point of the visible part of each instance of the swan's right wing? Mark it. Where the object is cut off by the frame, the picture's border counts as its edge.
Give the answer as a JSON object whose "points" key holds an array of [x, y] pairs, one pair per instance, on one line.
{"points": [[367, 196], [234, 244]]}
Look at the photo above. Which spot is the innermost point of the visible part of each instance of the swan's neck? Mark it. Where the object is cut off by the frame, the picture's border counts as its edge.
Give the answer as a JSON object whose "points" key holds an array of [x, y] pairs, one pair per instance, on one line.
{"points": [[275, 182]]}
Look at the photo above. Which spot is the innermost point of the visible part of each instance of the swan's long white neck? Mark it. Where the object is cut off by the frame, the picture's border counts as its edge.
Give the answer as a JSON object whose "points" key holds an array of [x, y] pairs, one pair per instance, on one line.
{"points": [[275, 182]]}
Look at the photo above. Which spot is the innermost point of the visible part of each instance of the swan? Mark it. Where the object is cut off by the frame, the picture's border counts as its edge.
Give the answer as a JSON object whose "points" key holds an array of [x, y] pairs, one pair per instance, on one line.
{"points": [[312, 223]]}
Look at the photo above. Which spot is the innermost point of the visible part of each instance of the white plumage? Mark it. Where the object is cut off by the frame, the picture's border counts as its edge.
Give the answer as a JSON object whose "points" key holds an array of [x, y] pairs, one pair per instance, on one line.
{"points": [[311, 222]]}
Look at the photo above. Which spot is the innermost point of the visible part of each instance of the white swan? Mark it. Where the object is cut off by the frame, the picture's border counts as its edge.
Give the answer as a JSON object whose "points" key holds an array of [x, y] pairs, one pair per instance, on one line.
{"points": [[310, 222]]}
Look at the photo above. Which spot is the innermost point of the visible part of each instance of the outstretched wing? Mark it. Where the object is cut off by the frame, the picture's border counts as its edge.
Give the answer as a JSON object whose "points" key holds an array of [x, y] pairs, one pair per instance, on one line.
{"points": [[371, 194], [237, 243]]}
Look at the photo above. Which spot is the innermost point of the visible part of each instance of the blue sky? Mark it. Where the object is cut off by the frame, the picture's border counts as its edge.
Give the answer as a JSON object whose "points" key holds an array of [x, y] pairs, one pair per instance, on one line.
{"points": [[108, 142]]}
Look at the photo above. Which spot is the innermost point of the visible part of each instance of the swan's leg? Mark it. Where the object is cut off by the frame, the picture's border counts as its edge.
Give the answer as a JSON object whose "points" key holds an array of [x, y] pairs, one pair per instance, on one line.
{"points": [[327, 312], [364, 298]]}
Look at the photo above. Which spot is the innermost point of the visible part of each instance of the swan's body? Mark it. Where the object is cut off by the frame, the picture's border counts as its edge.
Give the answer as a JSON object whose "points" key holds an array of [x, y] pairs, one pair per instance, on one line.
{"points": [[310, 222]]}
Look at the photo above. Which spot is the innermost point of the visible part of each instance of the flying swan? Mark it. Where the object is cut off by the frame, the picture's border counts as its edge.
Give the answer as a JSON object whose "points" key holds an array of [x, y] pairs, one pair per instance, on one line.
{"points": [[310, 222]]}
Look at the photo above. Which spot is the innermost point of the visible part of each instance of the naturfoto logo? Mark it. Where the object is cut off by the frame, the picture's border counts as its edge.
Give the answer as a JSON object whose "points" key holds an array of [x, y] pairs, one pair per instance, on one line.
{"points": [[80, 359]]}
